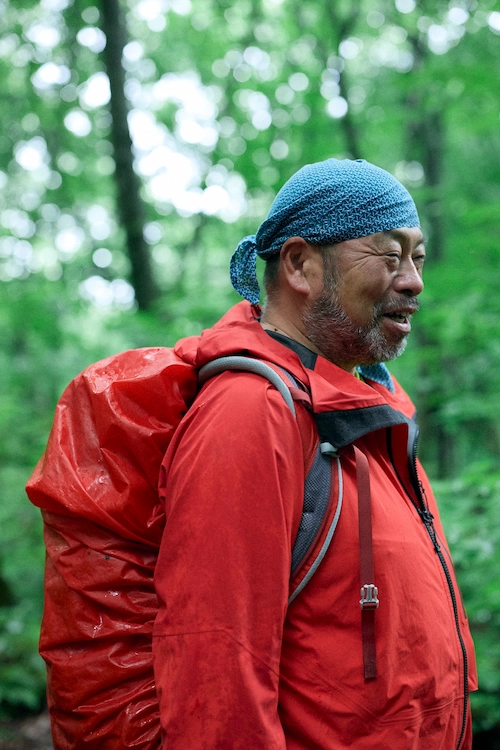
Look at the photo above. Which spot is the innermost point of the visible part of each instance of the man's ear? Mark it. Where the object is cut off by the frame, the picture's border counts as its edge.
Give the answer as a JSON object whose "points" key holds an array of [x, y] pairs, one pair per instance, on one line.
{"points": [[301, 266]]}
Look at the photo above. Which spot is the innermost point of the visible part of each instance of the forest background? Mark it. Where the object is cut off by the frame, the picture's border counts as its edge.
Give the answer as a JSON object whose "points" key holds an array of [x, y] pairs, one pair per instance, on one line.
{"points": [[140, 140]]}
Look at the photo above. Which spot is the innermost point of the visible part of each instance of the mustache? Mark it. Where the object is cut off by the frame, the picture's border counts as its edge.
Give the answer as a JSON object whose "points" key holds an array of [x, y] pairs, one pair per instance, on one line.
{"points": [[402, 304]]}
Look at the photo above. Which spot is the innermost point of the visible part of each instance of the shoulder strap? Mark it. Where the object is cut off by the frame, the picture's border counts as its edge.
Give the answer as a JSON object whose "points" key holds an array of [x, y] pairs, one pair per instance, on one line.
{"points": [[317, 489], [317, 493], [247, 364]]}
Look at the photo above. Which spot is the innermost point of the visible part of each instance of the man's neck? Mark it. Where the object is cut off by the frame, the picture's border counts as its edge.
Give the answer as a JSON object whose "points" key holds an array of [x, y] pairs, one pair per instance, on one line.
{"points": [[273, 321], [277, 324]]}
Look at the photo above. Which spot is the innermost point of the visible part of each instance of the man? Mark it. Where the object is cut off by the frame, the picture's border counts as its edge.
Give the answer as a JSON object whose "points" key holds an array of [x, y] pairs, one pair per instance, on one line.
{"points": [[247, 655]]}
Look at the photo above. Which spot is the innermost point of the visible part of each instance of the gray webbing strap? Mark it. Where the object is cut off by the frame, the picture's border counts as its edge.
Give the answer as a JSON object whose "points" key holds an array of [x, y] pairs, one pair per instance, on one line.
{"points": [[247, 364]]}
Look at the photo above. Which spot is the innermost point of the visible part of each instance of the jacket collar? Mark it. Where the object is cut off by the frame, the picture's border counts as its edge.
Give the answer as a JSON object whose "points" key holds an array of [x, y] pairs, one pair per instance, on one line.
{"points": [[345, 408]]}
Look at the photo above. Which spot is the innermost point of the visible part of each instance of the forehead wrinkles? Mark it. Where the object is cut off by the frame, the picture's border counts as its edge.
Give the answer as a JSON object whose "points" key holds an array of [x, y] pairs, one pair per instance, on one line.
{"points": [[411, 236]]}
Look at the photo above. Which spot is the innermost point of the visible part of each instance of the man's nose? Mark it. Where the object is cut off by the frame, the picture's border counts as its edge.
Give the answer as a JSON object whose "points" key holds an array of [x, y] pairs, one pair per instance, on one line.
{"points": [[409, 279]]}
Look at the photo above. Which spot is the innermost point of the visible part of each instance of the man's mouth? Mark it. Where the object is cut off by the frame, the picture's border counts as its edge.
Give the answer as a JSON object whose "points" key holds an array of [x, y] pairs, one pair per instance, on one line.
{"points": [[400, 310], [399, 317], [398, 321]]}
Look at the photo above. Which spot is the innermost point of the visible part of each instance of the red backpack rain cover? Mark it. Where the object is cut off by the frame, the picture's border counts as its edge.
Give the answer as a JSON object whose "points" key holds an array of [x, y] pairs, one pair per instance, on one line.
{"points": [[111, 430]]}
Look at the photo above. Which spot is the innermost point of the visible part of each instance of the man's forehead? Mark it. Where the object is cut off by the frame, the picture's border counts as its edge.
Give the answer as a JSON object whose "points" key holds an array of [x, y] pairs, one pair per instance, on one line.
{"points": [[403, 234]]}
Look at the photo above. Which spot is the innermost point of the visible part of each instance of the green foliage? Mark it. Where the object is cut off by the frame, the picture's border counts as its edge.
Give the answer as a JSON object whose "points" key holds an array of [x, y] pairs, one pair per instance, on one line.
{"points": [[470, 508], [228, 99], [22, 672]]}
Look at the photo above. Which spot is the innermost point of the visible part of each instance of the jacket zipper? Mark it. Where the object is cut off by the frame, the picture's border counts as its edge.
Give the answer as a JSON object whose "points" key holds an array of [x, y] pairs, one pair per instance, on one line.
{"points": [[427, 519]]}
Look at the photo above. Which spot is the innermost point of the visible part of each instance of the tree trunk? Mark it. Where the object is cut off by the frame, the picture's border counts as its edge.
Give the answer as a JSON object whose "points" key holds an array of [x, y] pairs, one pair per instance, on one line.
{"points": [[433, 168], [331, 32], [426, 144], [130, 206], [342, 27]]}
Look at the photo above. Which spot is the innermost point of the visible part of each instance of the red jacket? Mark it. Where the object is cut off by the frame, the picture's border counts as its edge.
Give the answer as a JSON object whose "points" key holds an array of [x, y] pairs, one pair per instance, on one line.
{"points": [[235, 666]]}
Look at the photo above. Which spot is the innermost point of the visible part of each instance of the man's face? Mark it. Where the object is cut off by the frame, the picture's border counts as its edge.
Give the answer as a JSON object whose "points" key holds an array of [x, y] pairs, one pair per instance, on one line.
{"points": [[370, 287]]}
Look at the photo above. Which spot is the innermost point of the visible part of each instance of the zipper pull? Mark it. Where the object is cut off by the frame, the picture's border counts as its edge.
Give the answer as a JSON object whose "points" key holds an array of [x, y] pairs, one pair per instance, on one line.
{"points": [[428, 519]]}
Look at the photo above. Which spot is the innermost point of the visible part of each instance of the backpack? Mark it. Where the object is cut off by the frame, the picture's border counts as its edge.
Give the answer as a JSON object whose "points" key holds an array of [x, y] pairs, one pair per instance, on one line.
{"points": [[103, 521]]}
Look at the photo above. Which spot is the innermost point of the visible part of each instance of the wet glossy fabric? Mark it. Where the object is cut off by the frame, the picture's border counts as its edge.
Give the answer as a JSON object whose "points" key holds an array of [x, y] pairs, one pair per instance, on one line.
{"points": [[233, 669], [97, 486]]}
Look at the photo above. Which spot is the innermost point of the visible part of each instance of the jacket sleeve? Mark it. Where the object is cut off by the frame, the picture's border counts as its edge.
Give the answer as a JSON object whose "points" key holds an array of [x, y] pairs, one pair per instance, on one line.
{"points": [[232, 482]]}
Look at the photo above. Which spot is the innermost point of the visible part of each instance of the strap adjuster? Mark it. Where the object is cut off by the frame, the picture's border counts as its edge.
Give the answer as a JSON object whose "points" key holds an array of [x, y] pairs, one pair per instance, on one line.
{"points": [[369, 594], [327, 449]]}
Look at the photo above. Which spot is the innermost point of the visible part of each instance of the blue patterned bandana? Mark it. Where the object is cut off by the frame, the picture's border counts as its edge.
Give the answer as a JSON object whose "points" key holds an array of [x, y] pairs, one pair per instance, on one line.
{"points": [[325, 203]]}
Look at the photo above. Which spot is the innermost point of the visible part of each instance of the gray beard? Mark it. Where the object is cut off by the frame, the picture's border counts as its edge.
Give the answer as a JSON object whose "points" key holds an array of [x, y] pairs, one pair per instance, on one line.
{"points": [[336, 336], [341, 341]]}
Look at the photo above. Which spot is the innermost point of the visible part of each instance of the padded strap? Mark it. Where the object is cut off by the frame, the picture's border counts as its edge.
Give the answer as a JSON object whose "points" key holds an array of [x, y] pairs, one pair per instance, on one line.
{"points": [[248, 364], [329, 536], [316, 496], [318, 481]]}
